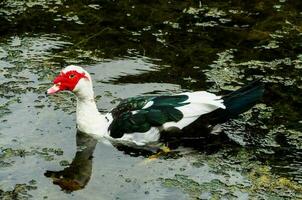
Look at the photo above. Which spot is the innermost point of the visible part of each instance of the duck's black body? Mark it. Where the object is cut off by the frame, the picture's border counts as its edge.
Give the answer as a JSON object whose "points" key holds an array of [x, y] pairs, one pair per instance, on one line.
{"points": [[139, 115], [130, 115]]}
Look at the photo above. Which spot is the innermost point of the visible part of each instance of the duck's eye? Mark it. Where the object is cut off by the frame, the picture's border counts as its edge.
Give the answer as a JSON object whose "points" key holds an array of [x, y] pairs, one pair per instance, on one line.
{"points": [[71, 76]]}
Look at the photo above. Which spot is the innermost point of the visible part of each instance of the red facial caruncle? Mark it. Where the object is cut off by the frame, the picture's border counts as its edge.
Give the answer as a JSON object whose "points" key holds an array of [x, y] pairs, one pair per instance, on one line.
{"points": [[66, 81]]}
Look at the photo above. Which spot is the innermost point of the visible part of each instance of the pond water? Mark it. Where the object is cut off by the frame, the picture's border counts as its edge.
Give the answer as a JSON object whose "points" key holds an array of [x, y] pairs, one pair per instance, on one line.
{"points": [[136, 48]]}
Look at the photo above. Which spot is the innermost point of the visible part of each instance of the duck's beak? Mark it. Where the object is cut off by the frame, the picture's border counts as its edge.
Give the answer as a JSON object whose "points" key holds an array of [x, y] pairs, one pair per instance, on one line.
{"points": [[55, 88]]}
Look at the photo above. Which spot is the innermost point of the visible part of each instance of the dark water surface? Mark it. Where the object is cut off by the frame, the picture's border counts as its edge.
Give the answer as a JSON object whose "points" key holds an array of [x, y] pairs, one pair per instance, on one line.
{"points": [[150, 47]]}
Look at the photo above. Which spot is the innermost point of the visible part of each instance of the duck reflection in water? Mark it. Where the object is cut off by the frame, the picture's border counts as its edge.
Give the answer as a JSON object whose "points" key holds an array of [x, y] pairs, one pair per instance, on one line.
{"points": [[78, 173]]}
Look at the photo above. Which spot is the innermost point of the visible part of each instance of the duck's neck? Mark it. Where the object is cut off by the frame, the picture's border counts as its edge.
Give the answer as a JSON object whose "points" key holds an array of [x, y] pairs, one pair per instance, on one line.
{"points": [[87, 108], [89, 120]]}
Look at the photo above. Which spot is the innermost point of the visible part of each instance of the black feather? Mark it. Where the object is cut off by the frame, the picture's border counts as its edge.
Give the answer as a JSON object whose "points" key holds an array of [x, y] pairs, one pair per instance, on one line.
{"points": [[237, 102], [162, 110]]}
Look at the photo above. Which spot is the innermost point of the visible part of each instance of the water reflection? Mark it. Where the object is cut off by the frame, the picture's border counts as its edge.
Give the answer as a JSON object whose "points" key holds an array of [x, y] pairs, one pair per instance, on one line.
{"points": [[78, 173]]}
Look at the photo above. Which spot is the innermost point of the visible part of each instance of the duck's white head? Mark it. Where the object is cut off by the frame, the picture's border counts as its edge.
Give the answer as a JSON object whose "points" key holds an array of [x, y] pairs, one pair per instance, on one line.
{"points": [[73, 78]]}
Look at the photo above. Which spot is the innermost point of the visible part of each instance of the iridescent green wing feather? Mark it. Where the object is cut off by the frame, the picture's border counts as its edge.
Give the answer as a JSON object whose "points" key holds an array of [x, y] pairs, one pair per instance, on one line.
{"points": [[130, 116]]}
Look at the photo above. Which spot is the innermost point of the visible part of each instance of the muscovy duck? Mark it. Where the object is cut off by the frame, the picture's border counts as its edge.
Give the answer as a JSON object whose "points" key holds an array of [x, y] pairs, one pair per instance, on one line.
{"points": [[140, 121]]}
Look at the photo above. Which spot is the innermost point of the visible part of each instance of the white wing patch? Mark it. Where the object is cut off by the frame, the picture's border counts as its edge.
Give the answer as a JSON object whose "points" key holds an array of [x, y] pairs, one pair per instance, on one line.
{"points": [[200, 103], [140, 139], [148, 104]]}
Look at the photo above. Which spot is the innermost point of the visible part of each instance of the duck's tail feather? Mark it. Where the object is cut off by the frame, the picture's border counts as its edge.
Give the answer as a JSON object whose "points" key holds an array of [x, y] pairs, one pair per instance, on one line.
{"points": [[238, 102]]}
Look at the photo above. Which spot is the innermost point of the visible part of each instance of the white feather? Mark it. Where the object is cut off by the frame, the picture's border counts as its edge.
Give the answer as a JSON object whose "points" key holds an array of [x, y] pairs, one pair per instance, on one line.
{"points": [[149, 104], [200, 103], [140, 139]]}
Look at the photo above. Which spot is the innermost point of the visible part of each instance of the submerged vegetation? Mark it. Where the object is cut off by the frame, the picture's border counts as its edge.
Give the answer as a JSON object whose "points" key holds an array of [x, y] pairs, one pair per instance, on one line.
{"points": [[155, 47]]}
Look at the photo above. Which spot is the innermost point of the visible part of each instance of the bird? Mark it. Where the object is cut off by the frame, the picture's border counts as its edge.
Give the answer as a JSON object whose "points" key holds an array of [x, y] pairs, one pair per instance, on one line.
{"points": [[143, 120]]}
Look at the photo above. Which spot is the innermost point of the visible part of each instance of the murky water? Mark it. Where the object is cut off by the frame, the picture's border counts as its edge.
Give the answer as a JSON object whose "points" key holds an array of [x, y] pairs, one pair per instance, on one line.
{"points": [[162, 47]]}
